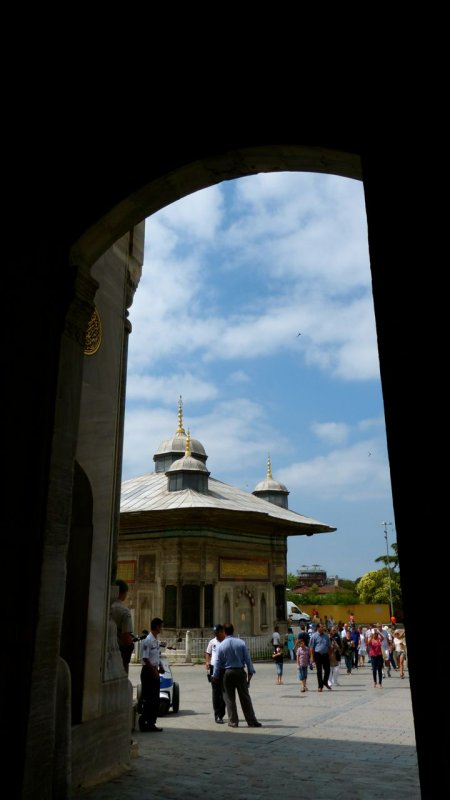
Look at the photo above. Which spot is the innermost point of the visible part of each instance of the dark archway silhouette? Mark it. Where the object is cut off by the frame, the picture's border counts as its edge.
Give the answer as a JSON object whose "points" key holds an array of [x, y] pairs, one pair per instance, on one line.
{"points": [[85, 205]]}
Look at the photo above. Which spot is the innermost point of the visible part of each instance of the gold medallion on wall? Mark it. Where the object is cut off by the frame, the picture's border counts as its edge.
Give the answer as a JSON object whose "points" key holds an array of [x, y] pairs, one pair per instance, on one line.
{"points": [[93, 338]]}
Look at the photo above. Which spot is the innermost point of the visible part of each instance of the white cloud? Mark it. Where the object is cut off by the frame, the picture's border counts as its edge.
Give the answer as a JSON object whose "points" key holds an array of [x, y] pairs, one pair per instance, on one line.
{"points": [[144, 432], [160, 240], [351, 474], [167, 388], [166, 316], [337, 339], [239, 376], [178, 313], [196, 217], [237, 435], [373, 422], [309, 228], [331, 432]]}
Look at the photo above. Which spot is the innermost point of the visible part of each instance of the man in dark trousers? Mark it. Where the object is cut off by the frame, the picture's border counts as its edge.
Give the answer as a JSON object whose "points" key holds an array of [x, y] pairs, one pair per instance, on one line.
{"points": [[210, 660], [152, 668], [319, 646], [231, 660]]}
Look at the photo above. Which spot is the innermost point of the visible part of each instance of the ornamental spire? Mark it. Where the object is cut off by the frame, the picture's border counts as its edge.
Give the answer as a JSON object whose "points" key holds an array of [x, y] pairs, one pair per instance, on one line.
{"points": [[269, 468], [188, 444], [180, 429]]}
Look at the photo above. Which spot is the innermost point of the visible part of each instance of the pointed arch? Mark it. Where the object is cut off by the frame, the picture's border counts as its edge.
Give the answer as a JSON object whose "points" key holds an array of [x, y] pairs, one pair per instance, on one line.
{"points": [[263, 609], [227, 609]]}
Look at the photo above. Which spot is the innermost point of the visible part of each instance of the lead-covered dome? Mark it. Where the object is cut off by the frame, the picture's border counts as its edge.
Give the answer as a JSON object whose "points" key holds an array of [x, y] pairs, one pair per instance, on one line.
{"points": [[173, 448], [187, 472], [271, 490]]}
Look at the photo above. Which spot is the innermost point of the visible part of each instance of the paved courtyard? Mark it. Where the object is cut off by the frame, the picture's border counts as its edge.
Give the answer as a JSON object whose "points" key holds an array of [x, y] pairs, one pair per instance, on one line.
{"points": [[353, 742]]}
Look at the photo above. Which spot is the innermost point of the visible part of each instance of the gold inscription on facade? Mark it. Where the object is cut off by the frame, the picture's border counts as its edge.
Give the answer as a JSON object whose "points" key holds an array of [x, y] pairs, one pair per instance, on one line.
{"points": [[237, 569], [126, 571], [93, 337]]}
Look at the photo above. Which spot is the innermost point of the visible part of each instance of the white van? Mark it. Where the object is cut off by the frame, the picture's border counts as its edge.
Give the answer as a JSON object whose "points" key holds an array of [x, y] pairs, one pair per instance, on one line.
{"points": [[295, 614]]}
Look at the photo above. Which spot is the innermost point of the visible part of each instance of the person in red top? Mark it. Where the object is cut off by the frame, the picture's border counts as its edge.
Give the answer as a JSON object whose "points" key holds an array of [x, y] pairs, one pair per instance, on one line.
{"points": [[375, 652]]}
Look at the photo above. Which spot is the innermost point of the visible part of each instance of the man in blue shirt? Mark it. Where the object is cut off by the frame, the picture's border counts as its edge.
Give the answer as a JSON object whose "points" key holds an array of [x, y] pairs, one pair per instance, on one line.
{"points": [[319, 646], [232, 657]]}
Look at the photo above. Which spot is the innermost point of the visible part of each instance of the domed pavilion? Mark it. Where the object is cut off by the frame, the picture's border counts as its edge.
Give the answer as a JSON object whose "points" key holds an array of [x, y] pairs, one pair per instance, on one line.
{"points": [[196, 551]]}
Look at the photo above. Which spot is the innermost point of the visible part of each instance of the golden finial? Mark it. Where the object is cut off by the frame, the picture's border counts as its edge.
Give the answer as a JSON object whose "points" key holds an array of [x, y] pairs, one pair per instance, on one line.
{"points": [[180, 429], [269, 467], [188, 444]]}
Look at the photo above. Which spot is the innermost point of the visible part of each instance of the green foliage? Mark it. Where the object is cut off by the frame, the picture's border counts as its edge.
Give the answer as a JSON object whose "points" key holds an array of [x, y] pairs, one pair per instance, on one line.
{"points": [[345, 583], [345, 593], [392, 560], [311, 597], [295, 598], [292, 582], [373, 587]]}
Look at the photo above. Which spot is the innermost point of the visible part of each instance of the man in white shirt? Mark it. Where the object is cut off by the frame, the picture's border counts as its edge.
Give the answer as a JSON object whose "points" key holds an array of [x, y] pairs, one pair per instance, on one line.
{"points": [[150, 672], [276, 638], [210, 660]]}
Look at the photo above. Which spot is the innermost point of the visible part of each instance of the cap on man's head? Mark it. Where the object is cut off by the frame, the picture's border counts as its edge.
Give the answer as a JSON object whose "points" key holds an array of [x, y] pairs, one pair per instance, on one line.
{"points": [[218, 628]]}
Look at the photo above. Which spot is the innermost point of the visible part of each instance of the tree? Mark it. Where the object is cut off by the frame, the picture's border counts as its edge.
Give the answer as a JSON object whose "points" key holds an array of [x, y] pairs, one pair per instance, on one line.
{"points": [[373, 587], [392, 560], [346, 583], [292, 581], [340, 597], [345, 593]]}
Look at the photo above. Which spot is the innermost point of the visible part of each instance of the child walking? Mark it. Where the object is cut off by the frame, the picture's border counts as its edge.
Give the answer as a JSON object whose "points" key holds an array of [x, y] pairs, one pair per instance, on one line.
{"points": [[277, 655], [302, 663]]}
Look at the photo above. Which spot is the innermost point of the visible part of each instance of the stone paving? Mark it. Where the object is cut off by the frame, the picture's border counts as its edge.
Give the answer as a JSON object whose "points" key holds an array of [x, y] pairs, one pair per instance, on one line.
{"points": [[353, 742]]}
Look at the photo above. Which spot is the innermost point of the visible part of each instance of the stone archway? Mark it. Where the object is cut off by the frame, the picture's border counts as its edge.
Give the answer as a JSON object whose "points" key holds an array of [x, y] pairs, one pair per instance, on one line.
{"points": [[88, 215], [188, 177]]}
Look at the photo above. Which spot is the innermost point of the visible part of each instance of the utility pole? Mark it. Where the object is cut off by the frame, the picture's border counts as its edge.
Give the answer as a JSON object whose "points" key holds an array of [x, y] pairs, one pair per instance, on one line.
{"points": [[388, 565]]}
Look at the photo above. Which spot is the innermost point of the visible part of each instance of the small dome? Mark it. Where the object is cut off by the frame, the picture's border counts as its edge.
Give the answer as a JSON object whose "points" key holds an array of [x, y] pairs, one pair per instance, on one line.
{"points": [[187, 472], [177, 444], [271, 490], [270, 485], [174, 447], [188, 464]]}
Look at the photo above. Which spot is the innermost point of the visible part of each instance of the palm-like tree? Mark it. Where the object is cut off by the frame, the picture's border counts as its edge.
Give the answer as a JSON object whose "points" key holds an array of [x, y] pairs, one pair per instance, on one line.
{"points": [[391, 560]]}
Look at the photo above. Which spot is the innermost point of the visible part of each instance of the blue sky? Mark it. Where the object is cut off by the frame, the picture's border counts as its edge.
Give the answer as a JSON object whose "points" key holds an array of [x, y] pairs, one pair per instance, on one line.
{"points": [[231, 276]]}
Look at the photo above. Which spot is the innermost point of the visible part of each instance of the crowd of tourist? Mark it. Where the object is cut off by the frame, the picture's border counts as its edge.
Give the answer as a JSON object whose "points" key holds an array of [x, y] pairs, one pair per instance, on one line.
{"points": [[327, 647]]}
